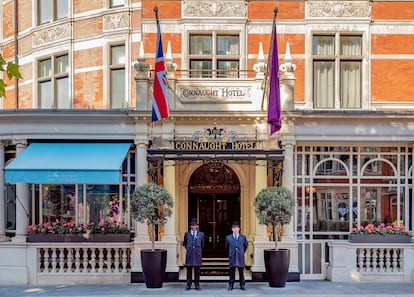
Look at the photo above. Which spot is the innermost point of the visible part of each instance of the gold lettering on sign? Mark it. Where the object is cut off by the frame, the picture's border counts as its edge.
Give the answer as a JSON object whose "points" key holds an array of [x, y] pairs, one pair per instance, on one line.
{"points": [[238, 145]]}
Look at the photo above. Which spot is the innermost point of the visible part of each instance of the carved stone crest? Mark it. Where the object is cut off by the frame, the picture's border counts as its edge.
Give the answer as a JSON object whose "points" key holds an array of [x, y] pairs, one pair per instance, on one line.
{"points": [[51, 34], [115, 21], [316, 9], [215, 8]]}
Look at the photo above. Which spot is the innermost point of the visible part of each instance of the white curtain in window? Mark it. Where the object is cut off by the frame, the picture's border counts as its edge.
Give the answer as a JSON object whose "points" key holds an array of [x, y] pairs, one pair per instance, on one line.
{"points": [[323, 72], [324, 86], [351, 73], [351, 84]]}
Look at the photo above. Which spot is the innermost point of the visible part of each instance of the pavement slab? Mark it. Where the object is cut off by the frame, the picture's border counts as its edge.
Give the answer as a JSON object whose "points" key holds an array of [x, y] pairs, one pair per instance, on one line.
{"points": [[292, 289]]}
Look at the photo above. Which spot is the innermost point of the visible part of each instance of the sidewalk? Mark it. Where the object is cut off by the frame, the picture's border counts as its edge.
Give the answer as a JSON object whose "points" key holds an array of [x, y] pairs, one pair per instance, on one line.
{"points": [[292, 289]]}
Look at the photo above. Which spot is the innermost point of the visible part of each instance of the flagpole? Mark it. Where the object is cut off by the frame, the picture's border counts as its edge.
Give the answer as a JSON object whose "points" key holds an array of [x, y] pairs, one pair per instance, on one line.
{"points": [[276, 10], [156, 13]]}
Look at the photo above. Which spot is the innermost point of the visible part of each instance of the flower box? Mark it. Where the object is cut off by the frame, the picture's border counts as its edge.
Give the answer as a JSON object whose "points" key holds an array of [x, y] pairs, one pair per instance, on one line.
{"points": [[35, 237], [378, 238]]}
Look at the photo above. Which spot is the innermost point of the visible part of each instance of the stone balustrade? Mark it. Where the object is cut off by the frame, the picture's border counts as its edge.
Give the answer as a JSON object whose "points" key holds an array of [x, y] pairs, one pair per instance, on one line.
{"points": [[81, 262], [383, 262]]}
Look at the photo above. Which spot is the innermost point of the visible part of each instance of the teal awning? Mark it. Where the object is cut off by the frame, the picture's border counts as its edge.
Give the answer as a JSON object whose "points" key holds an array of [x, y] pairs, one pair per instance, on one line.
{"points": [[75, 163]]}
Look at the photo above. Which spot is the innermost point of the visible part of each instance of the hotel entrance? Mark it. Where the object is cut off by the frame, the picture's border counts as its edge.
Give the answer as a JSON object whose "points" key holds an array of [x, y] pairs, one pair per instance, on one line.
{"points": [[214, 199]]}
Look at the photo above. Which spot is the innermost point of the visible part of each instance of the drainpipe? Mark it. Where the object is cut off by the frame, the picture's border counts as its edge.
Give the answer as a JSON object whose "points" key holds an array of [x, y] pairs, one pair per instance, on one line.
{"points": [[16, 51]]}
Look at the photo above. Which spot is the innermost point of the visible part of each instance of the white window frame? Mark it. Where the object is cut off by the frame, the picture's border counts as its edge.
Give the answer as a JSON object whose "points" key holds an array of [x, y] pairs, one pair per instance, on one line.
{"points": [[114, 67], [215, 29], [362, 30], [53, 78], [53, 16]]}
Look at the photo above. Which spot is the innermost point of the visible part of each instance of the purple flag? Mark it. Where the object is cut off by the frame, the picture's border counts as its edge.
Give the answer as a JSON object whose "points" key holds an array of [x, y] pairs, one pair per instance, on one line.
{"points": [[273, 108]]}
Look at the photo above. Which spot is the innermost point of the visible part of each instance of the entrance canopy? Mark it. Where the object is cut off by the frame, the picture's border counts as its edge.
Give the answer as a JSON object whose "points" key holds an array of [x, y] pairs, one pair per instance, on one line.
{"points": [[215, 155], [68, 163]]}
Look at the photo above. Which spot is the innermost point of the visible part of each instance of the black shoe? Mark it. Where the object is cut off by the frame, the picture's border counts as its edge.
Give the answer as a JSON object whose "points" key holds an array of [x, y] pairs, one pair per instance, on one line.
{"points": [[198, 288], [243, 288], [188, 288], [230, 288]]}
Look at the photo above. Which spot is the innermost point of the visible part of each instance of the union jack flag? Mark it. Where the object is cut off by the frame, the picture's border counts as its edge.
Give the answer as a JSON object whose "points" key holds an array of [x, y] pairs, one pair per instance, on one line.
{"points": [[160, 96]]}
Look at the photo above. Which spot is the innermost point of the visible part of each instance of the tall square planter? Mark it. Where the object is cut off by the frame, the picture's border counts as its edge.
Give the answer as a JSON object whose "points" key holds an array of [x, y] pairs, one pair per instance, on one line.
{"points": [[378, 238], [78, 237]]}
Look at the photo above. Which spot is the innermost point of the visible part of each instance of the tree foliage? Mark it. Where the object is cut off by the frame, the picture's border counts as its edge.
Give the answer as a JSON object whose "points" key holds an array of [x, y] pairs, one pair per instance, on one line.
{"points": [[274, 206], [11, 69], [151, 204]]}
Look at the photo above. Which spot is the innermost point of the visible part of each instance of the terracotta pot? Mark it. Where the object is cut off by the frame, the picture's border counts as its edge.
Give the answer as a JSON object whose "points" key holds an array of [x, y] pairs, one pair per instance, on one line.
{"points": [[78, 237]]}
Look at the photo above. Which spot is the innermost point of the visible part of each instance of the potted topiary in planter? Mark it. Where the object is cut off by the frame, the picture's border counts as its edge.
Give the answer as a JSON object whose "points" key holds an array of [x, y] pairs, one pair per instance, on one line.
{"points": [[275, 206], [152, 204]]}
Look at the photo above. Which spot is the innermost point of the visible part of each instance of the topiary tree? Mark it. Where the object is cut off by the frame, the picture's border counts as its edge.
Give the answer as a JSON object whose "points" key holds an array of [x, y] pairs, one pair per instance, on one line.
{"points": [[151, 204], [274, 205]]}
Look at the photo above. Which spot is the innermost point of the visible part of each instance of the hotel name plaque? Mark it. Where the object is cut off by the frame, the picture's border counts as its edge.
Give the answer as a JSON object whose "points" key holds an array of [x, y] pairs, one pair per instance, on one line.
{"points": [[193, 145], [214, 92]]}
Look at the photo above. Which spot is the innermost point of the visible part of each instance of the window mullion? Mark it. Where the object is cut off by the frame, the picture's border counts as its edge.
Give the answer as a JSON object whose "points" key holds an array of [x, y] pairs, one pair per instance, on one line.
{"points": [[337, 79]]}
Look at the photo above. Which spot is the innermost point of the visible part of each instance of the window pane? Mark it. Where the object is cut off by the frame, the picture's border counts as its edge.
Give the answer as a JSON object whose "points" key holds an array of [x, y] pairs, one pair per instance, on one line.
{"points": [[200, 65], [351, 45], [231, 68], [62, 9], [323, 45], [118, 54], [228, 45], [200, 45], [351, 84], [115, 3], [117, 88], [62, 64], [323, 89], [45, 68], [62, 93], [45, 96], [45, 11]]}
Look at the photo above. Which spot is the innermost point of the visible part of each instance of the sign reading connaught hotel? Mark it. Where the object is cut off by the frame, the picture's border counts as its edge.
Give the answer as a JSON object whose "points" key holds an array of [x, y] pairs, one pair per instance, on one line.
{"points": [[214, 92]]}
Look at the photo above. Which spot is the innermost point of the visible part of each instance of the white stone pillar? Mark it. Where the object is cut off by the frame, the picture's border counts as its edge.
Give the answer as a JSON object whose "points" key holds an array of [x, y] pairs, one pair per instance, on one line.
{"points": [[141, 168], [261, 240], [3, 236], [288, 237], [287, 182], [169, 185], [169, 238], [261, 183], [22, 204]]}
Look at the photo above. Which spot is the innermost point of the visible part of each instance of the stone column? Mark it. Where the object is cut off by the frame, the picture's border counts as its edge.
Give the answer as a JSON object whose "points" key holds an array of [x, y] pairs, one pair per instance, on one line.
{"points": [[288, 237], [287, 182], [3, 236], [261, 183], [141, 179], [22, 204], [169, 185], [261, 240], [142, 239], [169, 238]]}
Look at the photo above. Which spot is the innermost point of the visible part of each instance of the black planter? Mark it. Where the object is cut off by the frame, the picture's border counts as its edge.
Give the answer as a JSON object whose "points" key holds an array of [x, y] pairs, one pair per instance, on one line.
{"points": [[277, 266], [153, 267]]}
